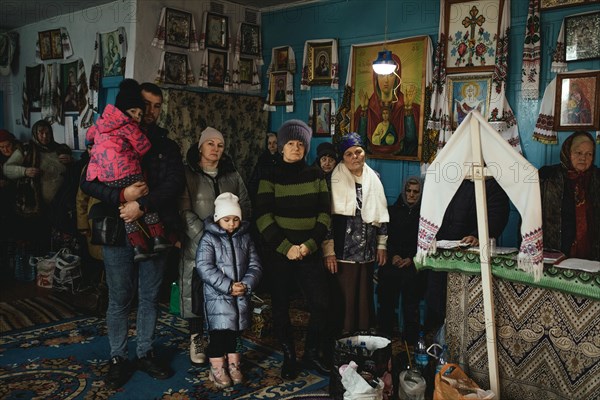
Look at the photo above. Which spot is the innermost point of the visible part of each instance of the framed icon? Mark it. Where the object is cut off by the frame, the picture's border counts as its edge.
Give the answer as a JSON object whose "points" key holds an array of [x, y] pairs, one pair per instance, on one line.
{"points": [[282, 60], [178, 27], [57, 49], [552, 4], [176, 68], [278, 88], [50, 43], [467, 93], [321, 117], [110, 50], [388, 111], [582, 37], [217, 67], [250, 39], [217, 35], [246, 70], [577, 102], [319, 61]]}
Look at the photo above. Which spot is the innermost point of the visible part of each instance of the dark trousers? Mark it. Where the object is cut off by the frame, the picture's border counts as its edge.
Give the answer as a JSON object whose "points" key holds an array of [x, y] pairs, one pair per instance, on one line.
{"points": [[355, 280], [392, 282], [435, 296], [310, 276], [222, 342]]}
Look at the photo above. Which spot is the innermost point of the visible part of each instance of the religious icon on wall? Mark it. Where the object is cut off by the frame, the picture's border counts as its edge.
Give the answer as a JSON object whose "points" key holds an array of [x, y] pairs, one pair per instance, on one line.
{"points": [[388, 110], [178, 26]]}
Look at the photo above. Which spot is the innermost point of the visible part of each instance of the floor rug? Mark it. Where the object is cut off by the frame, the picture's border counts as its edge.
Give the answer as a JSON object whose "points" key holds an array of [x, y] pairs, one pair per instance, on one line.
{"points": [[68, 359], [314, 396], [19, 314]]}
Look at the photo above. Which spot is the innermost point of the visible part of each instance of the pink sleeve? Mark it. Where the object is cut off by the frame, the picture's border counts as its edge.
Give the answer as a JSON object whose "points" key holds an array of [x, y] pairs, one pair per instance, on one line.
{"points": [[91, 134], [138, 140]]}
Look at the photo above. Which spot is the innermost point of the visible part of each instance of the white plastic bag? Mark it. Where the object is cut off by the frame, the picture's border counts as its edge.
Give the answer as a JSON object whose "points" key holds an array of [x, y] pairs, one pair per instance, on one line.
{"points": [[45, 269], [67, 273], [357, 387], [411, 387]]}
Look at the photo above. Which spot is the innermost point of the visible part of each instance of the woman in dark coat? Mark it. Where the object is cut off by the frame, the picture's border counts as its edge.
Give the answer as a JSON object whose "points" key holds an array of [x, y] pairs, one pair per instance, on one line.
{"points": [[571, 199]]}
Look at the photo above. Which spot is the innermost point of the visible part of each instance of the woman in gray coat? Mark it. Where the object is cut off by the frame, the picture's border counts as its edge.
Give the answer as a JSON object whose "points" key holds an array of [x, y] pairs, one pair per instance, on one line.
{"points": [[209, 173]]}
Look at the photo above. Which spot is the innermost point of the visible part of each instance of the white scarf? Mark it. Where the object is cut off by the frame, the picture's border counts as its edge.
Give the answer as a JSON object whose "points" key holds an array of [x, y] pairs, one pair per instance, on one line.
{"points": [[343, 195], [334, 67], [515, 174]]}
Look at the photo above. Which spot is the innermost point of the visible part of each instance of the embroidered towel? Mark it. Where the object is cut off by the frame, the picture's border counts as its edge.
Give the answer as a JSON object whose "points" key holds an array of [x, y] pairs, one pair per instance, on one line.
{"points": [[514, 173]]}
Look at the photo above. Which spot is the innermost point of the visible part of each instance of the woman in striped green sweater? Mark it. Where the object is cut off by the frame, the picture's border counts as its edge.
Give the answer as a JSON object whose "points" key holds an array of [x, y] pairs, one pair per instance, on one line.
{"points": [[292, 210]]}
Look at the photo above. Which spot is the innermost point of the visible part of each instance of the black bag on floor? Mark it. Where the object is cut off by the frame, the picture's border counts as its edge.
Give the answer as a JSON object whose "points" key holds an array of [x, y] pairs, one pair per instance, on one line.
{"points": [[372, 353]]}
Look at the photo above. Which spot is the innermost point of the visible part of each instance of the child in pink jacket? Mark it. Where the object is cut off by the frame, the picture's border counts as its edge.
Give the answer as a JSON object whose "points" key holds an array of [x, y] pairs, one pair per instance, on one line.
{"points": [[115, 159]]}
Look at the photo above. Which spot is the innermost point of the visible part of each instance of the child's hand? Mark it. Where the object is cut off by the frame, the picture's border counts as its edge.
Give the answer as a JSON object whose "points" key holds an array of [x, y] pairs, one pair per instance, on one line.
{"points": [[238, 289]]}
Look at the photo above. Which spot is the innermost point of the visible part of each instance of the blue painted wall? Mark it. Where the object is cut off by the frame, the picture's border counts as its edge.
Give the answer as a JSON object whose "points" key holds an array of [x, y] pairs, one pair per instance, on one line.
{"points": [[363, 21]]}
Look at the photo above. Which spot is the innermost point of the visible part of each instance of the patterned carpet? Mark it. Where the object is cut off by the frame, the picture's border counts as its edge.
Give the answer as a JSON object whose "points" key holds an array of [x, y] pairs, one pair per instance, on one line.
{"points": [[25, 313], [548, 341], [68, 359]]}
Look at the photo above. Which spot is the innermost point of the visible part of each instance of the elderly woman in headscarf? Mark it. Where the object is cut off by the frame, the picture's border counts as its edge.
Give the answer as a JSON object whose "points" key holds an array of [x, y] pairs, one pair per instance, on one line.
{"points": [[42, 158], [359, 232], [399, 274], [571, 199], [45, 162], [326, 160]]}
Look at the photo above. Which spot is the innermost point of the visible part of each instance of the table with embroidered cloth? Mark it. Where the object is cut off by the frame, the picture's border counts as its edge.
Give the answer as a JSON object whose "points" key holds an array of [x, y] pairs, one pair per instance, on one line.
{"points": [[548, 332]]}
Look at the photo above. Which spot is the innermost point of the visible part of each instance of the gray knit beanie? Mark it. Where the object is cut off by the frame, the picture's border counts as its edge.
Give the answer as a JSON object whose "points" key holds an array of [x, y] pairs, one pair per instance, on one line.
{"points": [[294, 129]]}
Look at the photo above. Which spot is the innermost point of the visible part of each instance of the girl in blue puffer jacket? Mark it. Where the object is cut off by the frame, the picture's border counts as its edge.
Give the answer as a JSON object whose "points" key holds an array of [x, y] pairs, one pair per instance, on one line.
{"points": [[230, 269]]}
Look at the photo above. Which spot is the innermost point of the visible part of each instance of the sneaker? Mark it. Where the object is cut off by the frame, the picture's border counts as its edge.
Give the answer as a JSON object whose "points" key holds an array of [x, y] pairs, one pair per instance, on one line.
{"points": [[119, 372], [197, 349], [151, 365]]}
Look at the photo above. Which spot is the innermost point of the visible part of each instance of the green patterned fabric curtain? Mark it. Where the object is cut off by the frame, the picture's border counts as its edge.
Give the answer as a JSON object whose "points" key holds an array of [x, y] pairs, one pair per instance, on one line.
{"points": [[240, 118]]}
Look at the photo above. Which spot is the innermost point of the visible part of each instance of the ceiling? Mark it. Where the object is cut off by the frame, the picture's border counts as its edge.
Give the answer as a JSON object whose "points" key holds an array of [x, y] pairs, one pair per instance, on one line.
{"points": [[17, 13]]}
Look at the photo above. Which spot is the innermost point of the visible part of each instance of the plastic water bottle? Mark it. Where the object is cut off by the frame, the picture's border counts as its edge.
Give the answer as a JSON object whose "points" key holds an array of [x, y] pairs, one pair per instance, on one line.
{"points": [[442, 359], [421, 356], [363, 349]]}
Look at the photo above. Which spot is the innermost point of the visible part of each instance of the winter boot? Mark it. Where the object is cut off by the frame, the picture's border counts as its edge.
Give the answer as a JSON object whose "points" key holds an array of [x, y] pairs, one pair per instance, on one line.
{"points": [[141, 251], [289, 367], [159, 239], [197, 349], [235, 371], [218, 373], [311, 358]]}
